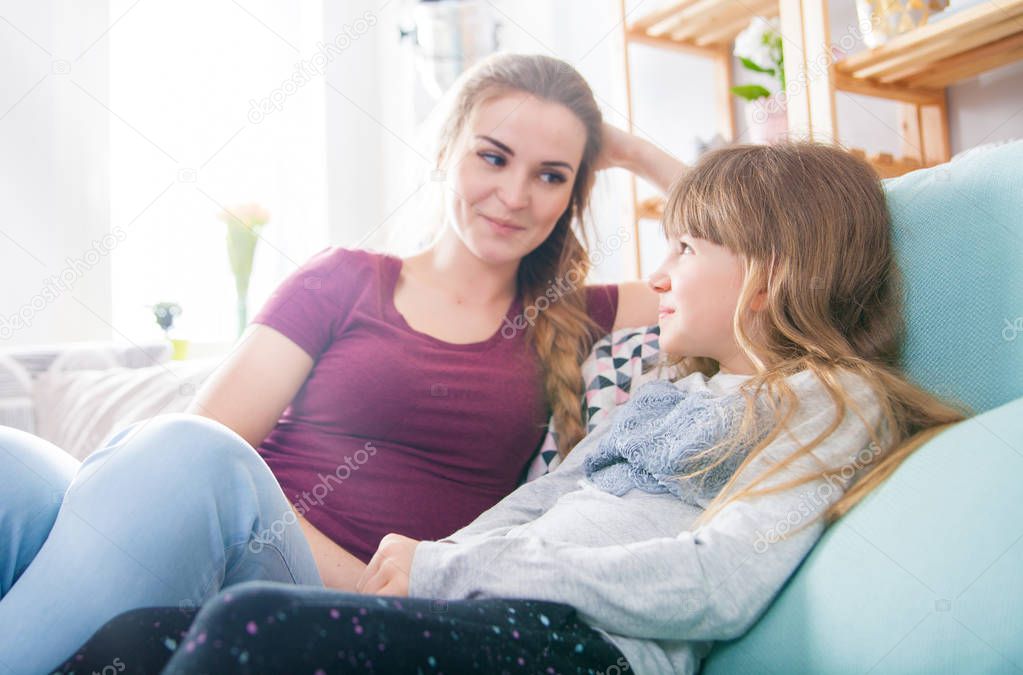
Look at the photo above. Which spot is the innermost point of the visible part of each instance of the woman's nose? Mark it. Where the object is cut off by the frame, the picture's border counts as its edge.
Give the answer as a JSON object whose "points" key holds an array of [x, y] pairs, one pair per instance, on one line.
{"points": [[514, 193], [659, 282]]}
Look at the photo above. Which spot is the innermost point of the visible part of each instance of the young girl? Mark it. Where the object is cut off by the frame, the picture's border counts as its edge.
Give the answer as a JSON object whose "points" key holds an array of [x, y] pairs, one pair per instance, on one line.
{"points": [[675, 523], [382, 394]]}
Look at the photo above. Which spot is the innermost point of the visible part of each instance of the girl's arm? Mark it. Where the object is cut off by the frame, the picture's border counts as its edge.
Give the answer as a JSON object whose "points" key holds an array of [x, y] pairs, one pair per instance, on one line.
{"points": [[711, 583], [637, 303], [531, 500]]}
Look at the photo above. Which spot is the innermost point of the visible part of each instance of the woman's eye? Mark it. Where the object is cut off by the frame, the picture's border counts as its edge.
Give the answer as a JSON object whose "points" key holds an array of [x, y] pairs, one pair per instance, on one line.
{"points": [[555, 178], [492, 159]]}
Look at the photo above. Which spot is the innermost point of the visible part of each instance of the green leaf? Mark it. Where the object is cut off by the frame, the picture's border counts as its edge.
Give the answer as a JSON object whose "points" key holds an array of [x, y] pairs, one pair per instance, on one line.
{"points": [[750, 92], [754, 67]]}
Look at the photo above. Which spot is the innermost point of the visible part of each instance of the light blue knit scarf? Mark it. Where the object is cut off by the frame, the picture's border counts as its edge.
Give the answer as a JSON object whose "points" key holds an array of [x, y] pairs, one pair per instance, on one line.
{"points": [[655, 435]]}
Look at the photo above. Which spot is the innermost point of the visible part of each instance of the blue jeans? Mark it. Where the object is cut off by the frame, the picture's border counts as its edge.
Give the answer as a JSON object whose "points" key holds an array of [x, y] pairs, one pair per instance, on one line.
{"points": [[168, 512]]}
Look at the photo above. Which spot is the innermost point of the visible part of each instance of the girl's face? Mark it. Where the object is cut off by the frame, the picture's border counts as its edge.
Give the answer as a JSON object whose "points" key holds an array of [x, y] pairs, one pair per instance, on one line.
{"points": [[511, 176], [699, 285]]}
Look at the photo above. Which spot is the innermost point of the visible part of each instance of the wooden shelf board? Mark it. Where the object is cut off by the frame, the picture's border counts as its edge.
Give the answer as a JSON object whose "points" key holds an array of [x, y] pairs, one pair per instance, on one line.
{"points": [[699, 24], [652, 208], [888, 166], [940, 53]]}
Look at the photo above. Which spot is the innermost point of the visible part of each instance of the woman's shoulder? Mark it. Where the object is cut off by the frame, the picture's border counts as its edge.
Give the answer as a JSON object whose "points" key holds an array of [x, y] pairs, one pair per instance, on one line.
{"points": [[337, 264], [337, 255]]}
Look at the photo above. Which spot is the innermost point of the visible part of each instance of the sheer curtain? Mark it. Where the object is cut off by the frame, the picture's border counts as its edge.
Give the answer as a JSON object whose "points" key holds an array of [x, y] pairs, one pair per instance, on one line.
{"points": [[214, 104]]}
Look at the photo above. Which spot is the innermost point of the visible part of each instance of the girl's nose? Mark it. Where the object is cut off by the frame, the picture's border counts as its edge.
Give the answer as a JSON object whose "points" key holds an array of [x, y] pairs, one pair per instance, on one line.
{"points": [[659, 282]]}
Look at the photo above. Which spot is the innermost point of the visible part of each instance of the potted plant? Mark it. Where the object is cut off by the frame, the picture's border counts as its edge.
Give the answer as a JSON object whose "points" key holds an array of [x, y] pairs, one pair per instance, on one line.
{"points": [[244, 223], [165, 313], [759, 49]]}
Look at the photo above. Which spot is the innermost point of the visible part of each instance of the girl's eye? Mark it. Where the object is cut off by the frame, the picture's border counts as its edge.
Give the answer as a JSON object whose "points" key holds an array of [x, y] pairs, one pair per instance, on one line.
{"points": [[498, 160], [682, 247]]}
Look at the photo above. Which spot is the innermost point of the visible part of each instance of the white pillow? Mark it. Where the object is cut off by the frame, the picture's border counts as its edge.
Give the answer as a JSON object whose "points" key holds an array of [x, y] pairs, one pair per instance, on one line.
{"points": [[78, 409], [618, 363]]}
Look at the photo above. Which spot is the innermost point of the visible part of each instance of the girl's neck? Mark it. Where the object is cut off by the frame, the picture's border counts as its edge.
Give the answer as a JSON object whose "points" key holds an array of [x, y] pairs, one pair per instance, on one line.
{"points": [[449, 265], [736, 363]]}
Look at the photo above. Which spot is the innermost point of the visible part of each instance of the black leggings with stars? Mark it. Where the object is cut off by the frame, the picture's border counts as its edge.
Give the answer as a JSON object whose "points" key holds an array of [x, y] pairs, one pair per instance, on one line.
{"points": [[261, 627]]}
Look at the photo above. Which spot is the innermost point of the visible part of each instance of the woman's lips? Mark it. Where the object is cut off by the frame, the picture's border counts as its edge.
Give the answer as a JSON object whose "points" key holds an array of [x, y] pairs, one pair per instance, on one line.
{"points": [[502, 228]]}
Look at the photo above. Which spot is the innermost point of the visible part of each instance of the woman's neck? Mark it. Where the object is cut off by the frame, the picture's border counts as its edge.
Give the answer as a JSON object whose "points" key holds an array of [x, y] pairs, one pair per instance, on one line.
{"points": [[449, 265]]}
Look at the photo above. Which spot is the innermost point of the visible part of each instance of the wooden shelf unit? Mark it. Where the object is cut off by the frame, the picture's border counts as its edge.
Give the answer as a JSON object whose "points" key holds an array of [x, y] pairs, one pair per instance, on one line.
{"points": [[914, 69], [946, 50], [703, 28]]}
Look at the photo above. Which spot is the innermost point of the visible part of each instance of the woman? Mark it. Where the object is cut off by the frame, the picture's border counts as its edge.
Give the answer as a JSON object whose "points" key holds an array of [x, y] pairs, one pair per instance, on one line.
{"points": [[381, 393]]}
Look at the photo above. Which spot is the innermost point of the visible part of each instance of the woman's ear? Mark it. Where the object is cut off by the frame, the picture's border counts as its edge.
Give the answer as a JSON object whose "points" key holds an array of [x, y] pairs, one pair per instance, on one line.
{"points": [[759, 301]]}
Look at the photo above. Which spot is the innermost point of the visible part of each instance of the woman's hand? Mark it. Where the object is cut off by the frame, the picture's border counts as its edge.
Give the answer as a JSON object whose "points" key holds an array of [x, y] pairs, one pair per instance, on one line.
{"points": [[618, 149], [626, 151], [388, 571]]}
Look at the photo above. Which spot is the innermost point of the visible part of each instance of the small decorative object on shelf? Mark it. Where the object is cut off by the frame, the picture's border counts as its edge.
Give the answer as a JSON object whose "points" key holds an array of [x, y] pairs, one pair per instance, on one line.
{"points": [[759, 48], [884, 19], [244, 223], [165, 313]]}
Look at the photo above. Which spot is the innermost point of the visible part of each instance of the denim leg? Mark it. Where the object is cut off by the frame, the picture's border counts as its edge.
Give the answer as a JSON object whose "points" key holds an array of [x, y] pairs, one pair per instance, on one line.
{"points": [[168, 512], [34, 475]]}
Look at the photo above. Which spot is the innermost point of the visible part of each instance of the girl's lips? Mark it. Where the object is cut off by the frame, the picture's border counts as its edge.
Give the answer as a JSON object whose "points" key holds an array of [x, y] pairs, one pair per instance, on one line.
{"points": [[664, 311]]}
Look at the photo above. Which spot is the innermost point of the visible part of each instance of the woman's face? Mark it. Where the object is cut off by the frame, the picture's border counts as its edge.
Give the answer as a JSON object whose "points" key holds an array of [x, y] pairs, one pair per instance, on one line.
{"points": [[512, 174], [699, 285]]}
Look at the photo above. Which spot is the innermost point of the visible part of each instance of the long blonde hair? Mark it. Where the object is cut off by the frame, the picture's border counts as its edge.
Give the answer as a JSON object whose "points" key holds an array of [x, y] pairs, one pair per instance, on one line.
{"points": [[810, 223], [563, 333]]}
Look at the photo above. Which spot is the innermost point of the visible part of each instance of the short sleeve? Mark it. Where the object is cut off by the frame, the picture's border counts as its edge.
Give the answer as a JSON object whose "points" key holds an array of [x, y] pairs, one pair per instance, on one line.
{"points": [[309, 305], [602, 306]]}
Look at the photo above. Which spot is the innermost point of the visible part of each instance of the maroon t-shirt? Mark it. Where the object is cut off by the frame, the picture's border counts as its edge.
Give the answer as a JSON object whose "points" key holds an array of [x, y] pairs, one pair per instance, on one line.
{"points": [[395, 430]]}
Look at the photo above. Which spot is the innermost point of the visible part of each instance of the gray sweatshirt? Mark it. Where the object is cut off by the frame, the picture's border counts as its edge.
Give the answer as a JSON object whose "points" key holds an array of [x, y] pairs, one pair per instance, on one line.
{"points": [[632, 566]]}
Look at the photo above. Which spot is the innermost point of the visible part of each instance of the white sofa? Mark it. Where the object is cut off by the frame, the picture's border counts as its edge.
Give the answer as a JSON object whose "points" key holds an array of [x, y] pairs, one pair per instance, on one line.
{"points": [[75, 395]]}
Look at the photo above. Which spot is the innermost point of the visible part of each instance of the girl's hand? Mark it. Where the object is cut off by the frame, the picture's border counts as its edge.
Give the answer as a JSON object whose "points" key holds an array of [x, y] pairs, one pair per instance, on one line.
{"points": [[618, 149], [388, 571]]}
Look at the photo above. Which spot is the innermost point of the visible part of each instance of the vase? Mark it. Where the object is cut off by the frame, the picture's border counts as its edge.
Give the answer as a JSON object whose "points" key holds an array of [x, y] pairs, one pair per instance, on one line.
{"points": [[881, 20], [767, 120], [241, 249], [179, 349]]}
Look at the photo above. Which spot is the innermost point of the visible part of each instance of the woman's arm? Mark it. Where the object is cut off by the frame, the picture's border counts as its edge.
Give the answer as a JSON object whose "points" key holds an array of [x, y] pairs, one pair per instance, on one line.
{"points": [[626, 151], [637, 302], [247, 394], [251, 389], [637, 305]]}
